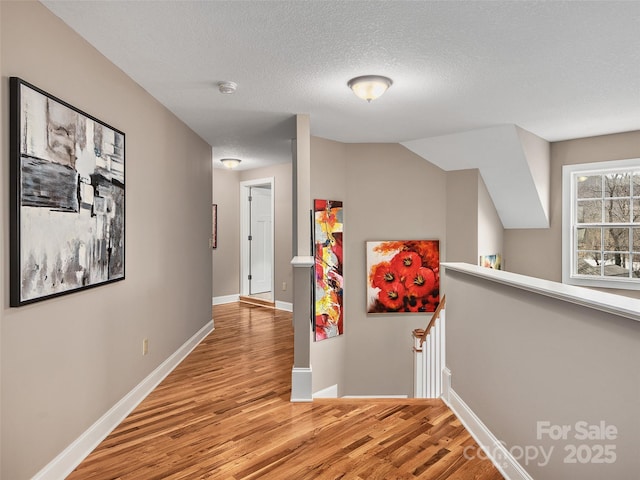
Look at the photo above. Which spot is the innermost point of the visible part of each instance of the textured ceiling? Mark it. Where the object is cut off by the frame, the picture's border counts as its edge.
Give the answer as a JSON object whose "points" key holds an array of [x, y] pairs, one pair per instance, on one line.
{"points": [[560, 70]]}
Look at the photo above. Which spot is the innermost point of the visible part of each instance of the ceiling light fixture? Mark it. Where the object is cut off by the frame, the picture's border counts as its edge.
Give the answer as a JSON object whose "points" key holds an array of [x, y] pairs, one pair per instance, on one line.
{"points": [[227, 88], [369, 87], [230, 162]]}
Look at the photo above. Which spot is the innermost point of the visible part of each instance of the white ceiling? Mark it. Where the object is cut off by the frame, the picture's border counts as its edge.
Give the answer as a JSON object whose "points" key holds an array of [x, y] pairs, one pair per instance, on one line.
{"points": [[560, 70]]}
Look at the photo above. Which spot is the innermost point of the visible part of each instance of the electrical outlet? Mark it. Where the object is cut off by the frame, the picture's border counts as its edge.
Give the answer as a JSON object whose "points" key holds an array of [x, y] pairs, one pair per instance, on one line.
{"points": [[284, 285], [145, 346]]}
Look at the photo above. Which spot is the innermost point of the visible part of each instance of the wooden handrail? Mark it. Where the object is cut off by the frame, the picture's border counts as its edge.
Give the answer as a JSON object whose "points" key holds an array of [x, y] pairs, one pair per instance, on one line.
{"points": [[422, 334]]}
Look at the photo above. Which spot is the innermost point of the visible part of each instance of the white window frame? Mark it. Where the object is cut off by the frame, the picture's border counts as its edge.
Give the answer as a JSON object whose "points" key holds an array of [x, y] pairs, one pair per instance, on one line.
{"points": [[569, 256]]}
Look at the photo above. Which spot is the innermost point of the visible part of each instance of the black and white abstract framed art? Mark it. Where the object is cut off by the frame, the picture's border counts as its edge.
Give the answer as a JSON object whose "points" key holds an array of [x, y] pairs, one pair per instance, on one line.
{"points": [[67, 174]]}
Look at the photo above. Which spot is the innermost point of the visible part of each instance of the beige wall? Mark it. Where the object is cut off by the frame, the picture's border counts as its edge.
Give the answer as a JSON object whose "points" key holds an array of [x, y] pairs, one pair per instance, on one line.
{"points": [[68, 360], [462, 216], [473, 225], [490, 230], [302, 186], [282, 174], [537, 359], [538, 252], [392, 194], [226, 258], [329, 182]]}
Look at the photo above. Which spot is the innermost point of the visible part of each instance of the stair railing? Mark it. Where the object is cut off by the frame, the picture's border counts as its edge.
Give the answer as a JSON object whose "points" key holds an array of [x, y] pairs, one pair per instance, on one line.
{"points": [[429, 355]]}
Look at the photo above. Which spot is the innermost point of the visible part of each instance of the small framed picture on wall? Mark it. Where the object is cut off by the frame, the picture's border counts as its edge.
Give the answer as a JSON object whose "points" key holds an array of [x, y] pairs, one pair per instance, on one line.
{"points": [[214, 226]]}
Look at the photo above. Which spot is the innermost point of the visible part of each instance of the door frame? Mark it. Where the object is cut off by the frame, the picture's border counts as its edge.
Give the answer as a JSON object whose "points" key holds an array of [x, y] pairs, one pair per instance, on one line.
{"points": [[244, 232]]}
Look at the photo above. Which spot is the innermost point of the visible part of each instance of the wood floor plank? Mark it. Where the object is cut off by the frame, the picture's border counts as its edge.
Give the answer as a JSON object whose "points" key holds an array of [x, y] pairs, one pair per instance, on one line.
{"points": [[224, 413]]}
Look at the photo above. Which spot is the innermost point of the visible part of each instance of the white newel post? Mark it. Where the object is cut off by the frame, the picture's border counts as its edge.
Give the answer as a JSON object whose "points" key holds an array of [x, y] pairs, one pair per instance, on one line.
{"points": [[418, 368]]}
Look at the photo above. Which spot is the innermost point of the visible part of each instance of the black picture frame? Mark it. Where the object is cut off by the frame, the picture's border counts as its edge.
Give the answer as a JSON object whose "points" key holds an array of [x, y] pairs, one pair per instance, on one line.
{"points": [[67, 197], [214, 225]]}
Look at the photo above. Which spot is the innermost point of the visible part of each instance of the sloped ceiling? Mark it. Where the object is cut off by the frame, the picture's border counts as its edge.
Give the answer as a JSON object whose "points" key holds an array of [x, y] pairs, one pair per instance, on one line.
{"points": [[514, 165]]}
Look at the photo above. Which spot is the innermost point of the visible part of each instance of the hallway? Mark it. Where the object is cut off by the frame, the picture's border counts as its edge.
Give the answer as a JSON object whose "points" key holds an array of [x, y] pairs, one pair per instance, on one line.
{"points": [[224, 413]]}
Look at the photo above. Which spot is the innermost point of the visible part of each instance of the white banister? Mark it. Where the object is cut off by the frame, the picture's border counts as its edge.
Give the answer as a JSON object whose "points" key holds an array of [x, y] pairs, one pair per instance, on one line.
{"points": [[429, 358]]}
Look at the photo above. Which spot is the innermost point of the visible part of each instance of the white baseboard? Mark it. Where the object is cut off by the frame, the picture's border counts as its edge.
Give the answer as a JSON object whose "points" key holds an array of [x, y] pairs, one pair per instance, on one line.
{"points": [[329, 392], [497, 452], [286, 306], [301, 379], [225, 299], [76, 452], [446, 384], [332, 392], [373, 397]]}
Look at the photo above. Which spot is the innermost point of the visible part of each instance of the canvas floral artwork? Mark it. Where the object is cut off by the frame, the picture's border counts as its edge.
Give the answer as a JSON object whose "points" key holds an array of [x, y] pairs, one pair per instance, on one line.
{"points": [[403, 276]]}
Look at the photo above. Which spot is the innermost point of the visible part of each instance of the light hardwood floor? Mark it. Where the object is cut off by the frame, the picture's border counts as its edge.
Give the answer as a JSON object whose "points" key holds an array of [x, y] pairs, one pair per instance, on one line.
{"points": [[224, 413]]}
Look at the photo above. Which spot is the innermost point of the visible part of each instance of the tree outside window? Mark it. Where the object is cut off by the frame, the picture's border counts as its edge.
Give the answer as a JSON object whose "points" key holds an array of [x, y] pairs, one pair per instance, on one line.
{"points": [[604, 223]]}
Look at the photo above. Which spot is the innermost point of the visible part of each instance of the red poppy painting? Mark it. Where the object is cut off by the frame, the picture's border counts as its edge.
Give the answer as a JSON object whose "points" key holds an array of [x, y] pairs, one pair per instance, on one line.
{"points": [[328, 299], [403, 276]]}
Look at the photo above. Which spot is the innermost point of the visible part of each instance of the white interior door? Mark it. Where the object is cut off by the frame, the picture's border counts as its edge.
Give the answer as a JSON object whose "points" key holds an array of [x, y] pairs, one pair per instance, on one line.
{"points": [[260, 240]]}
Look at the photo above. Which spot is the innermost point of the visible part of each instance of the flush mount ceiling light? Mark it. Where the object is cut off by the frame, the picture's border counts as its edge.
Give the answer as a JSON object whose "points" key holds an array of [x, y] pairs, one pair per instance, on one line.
{"points": [[369, 87], [227, 88], [230, 162]]}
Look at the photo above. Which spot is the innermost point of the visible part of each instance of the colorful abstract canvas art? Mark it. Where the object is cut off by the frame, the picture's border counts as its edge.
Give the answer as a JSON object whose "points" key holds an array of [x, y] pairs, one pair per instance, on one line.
{"points": [[328, 253], [403, 276]]}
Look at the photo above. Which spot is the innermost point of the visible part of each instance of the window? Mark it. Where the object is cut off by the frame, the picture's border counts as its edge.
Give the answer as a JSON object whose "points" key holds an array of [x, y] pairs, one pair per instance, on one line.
{"points": [[601, 224]]}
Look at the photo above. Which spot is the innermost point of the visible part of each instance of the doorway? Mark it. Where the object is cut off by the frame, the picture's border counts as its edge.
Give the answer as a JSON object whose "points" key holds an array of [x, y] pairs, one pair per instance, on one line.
{"points": [[257, 238]]}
